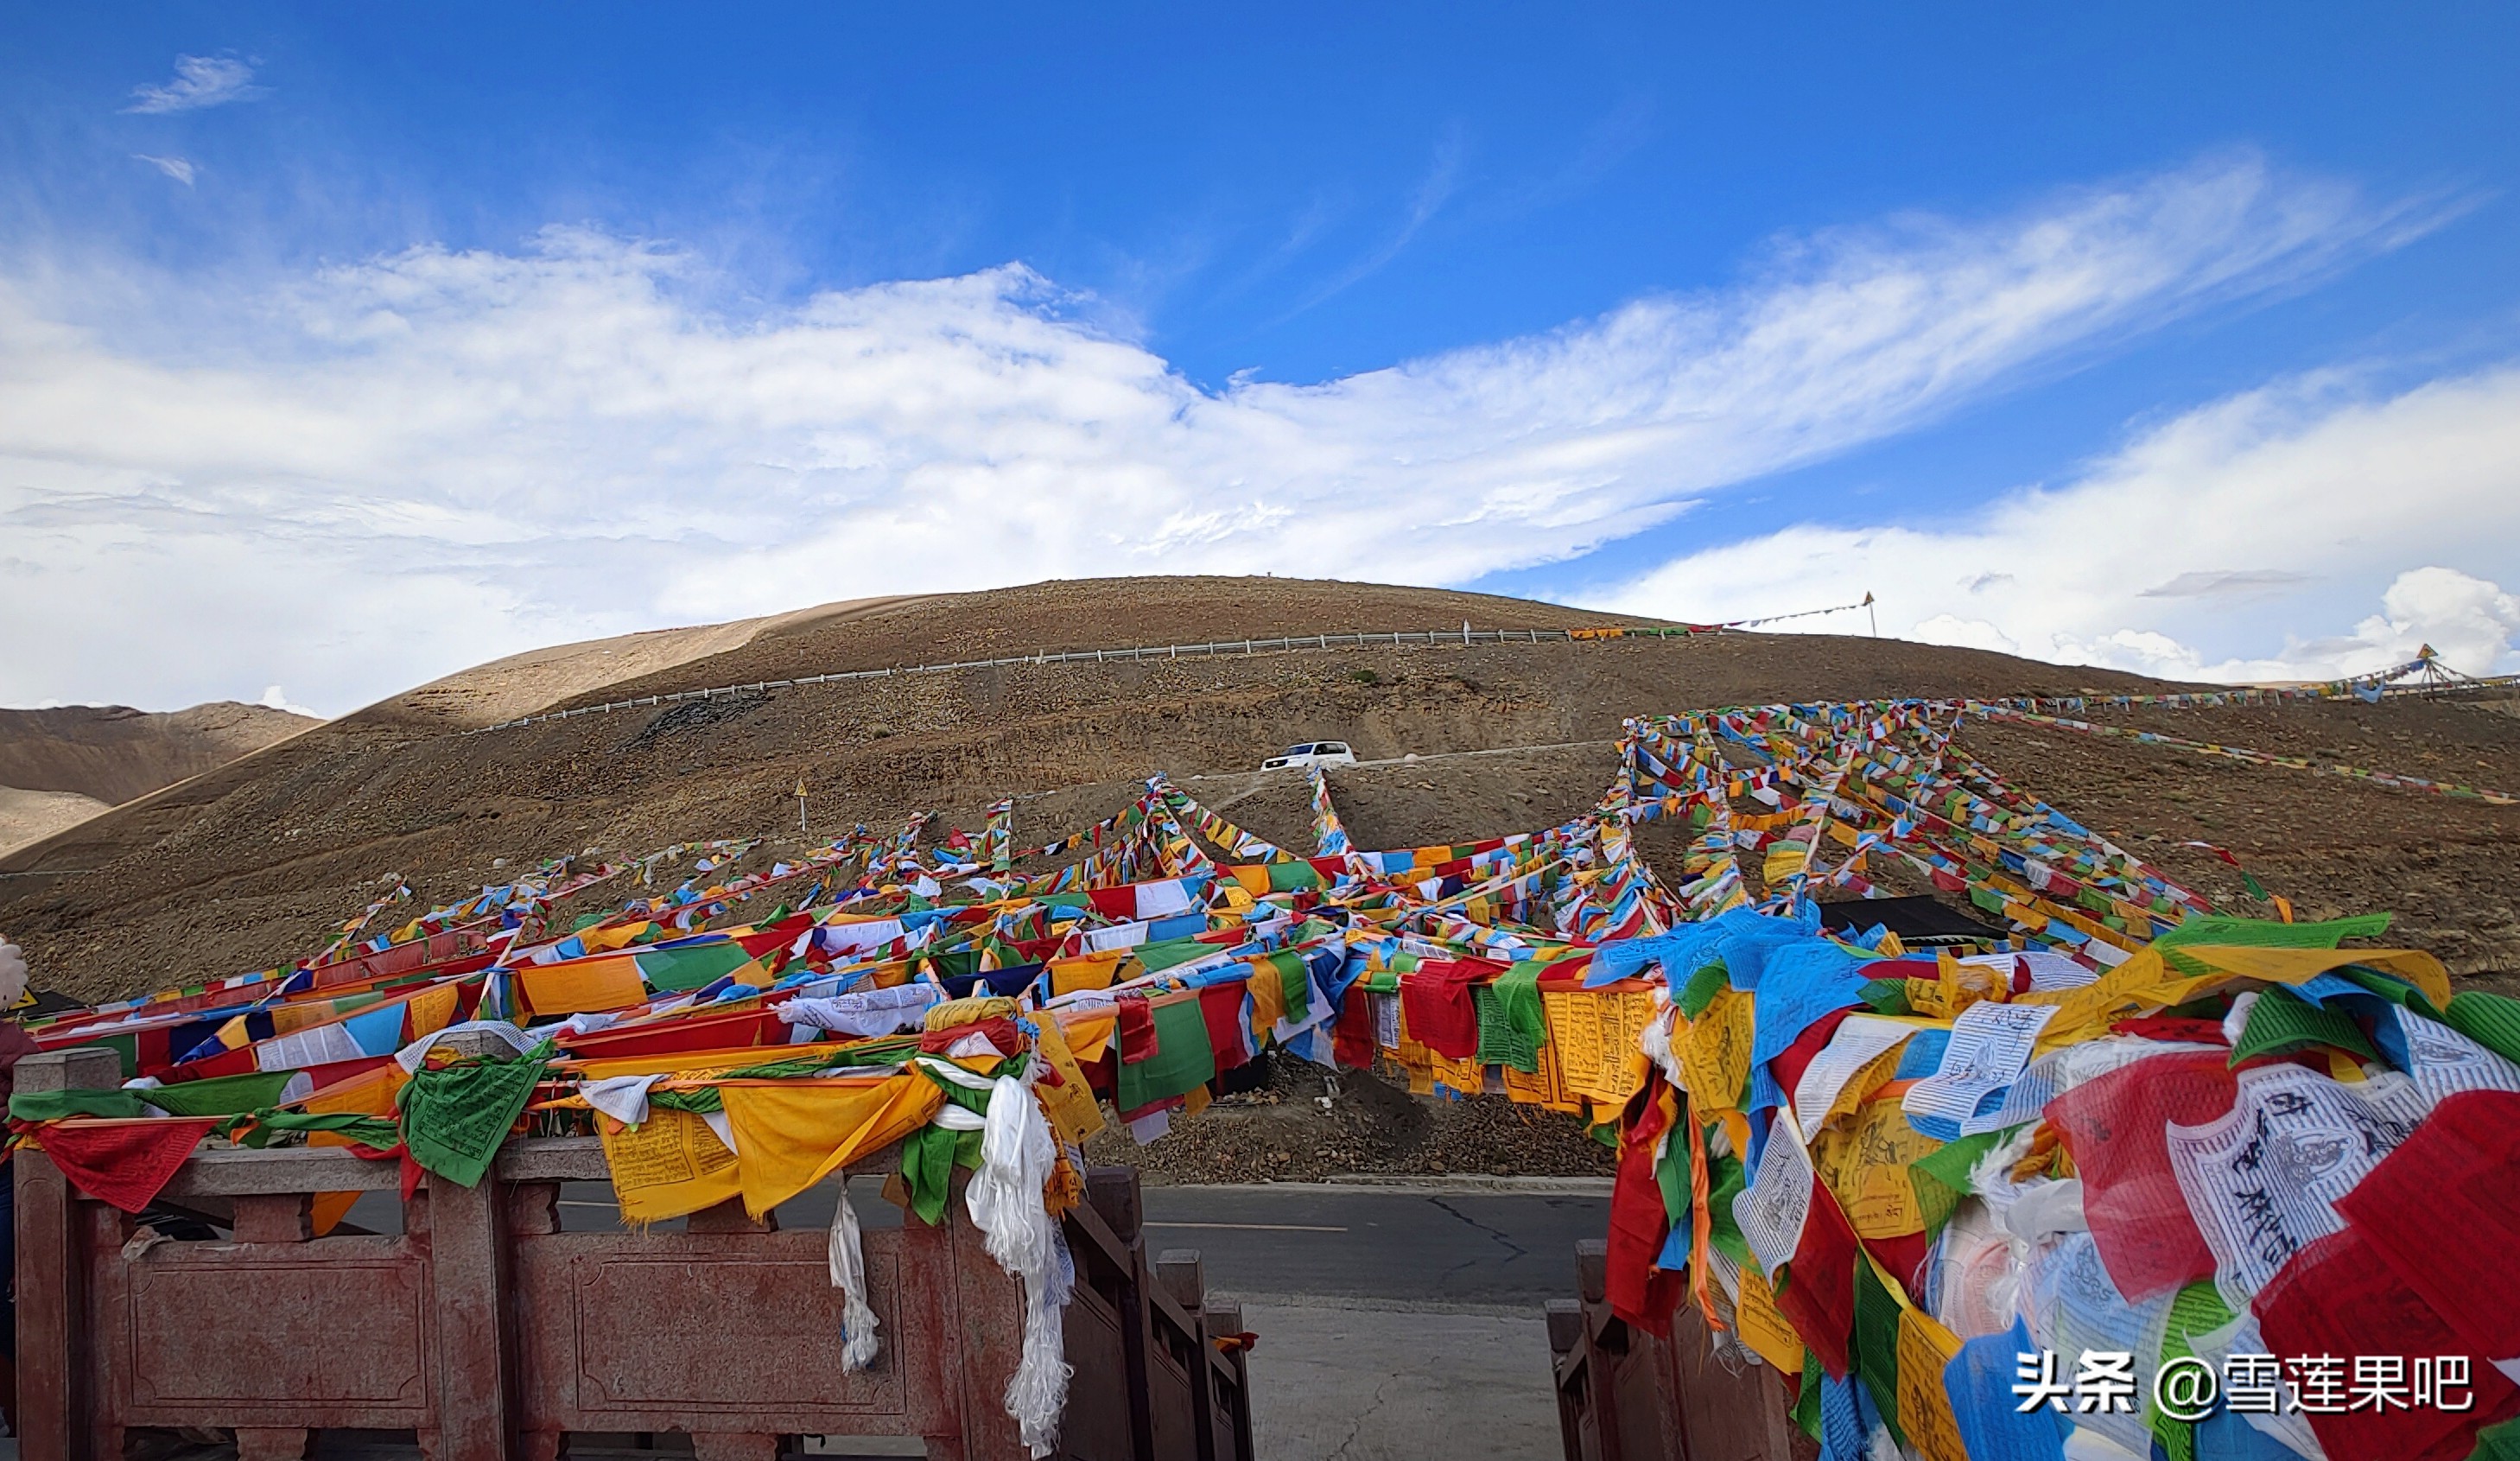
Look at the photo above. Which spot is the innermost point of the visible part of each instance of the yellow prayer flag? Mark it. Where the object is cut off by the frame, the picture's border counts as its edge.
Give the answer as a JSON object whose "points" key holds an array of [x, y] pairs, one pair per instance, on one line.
{"points": [[790, 1134], [667, 1166], [1069, 1105], [368, 1093], [1088, 1035], [1084, 971], [582, 986], [432, 1009], [1716, 1064], [1765, 1331], [1866, 1167], [1924, 1403]]}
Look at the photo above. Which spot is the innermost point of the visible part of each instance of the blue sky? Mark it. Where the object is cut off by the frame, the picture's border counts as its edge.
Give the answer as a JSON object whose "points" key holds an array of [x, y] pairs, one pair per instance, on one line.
{"points": [[2172, 340]]}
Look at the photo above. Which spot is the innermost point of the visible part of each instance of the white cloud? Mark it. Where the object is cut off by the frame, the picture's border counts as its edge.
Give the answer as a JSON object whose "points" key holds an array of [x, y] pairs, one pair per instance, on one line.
{"points": [[177, 168], [2311, 497], [384, 472], [199, 81], [273, 699]]}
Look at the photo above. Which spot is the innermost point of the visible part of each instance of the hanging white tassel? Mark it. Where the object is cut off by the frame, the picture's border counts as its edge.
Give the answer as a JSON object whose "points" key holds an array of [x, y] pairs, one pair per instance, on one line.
{"points": [[1005, 1199], [848, 1275]]}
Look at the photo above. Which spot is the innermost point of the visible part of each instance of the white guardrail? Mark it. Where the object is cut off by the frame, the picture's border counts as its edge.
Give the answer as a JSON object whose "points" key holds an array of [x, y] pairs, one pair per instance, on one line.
{"points": [[1284, 644], [1290, 643]]}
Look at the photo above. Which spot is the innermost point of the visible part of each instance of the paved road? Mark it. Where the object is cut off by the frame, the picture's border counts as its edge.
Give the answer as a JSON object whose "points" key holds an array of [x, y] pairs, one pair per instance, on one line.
{"points": [[1416, 1249], [1393, 1247]]}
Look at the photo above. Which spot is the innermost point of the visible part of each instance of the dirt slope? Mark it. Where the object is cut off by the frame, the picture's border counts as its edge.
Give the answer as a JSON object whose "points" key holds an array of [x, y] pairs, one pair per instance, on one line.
{"points": [[252, 864], [115, 752], [31, 816], [61, 767], [522, 684]]}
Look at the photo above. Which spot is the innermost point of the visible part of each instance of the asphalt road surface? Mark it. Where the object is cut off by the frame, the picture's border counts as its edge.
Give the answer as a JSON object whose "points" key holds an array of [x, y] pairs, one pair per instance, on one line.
{"points": [[1395, 1247]]}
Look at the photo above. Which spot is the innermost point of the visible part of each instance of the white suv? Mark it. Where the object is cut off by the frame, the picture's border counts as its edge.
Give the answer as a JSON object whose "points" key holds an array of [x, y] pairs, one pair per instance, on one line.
{"points": [[1313, 754]]}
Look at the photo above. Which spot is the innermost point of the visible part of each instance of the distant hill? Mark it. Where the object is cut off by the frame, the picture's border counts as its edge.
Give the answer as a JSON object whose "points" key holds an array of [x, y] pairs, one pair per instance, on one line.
{"points": [[60, 766], [259, 861]]}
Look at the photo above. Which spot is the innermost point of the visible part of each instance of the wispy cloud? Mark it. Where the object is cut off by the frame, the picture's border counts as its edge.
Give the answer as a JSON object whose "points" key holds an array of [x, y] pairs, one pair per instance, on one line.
{"points": [[1443, 178], [199, 81], [1603, 146], [2227, 583], [461, 455], [2344, 500], [177, 168]]}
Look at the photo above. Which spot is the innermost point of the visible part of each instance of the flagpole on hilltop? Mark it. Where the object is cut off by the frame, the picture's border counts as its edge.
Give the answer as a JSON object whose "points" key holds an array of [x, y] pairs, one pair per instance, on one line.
{"points": [[1870, 614]]}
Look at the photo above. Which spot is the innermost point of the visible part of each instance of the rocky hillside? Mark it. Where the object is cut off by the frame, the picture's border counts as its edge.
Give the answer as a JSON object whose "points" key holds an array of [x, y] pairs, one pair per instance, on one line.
{"points": [[61, 767], [254, 863]]}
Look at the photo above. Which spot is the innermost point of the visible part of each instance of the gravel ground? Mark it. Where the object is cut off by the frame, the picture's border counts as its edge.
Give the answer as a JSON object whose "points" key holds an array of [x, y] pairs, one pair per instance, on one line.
{"points": [[1308, 1123], [257, 862]]}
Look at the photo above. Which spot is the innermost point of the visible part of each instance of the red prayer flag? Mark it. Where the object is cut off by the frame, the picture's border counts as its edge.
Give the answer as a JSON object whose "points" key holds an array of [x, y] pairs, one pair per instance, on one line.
{"points": [[2115, 1128], [1904, 1259], [126, 1163], [1442, 1014], [1818, 1294], [1796, 1058], [1351, 1041], [1220, 1007], [2462, 1171], [2338, 1298], [1637, 1293], [1137, 1029]]}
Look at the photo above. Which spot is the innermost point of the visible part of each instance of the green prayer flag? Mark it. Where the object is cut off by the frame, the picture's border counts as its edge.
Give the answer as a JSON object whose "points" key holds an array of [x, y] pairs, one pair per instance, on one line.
{"points": [[2198, 1310], [693, 968], [1876, 1346], [929, 1157], [125, 1046], [1292, 877], [1294, 984], [454, 1119], [258, 1128], [2497, 1442], [1700, 990], [54, 1106], [223, 1095], [1671, 1174], [2281, 1021], [1511, 1026], [1941, 1177], [2391, 988], [1165, 953], [1725, 1178], [2491, 1021], [2265, 932], [1183, 1060]]}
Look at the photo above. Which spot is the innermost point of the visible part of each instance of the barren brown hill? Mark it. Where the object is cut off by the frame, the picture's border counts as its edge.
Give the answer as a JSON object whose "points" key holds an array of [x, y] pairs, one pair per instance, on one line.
{"points": [[63, 765], [254, 863]]}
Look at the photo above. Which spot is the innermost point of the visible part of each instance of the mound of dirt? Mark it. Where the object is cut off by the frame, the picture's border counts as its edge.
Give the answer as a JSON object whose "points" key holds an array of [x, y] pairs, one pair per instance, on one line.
{"points": [[256, 862], [522, 684], [1301, 1123], [60, 766], [31, 816], [115, 752]]}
